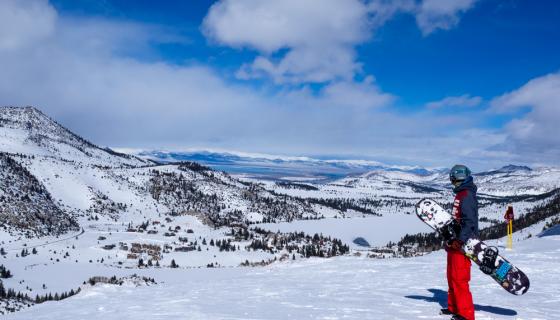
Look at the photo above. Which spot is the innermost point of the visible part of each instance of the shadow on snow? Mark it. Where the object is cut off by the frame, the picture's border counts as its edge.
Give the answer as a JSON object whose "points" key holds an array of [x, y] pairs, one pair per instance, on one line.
{"points": [[440, 297]]}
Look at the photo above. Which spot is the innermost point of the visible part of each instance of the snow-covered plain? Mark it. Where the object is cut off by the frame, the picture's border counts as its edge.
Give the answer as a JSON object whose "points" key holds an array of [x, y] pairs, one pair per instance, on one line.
{"points": [[347, 287], [377, 231]]}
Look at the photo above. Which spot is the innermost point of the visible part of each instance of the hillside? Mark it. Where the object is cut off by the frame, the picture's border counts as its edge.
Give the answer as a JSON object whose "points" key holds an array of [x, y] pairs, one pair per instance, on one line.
{"points": [[25, 204], [90, 184], [86, 182], [28, 131], [380, 203]]}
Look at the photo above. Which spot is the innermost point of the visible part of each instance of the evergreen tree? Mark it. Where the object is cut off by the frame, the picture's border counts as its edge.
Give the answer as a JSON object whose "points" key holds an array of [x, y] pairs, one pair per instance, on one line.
{"points": [[4, 272]]}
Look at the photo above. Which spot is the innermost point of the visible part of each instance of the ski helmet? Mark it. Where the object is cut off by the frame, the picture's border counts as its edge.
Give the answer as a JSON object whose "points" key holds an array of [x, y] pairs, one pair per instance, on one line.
{"points": [[459, 172]]}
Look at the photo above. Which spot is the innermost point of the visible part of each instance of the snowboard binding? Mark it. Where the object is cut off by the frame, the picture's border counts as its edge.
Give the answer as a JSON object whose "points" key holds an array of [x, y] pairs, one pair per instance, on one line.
{"points": [[488, 263], [451, 230]]}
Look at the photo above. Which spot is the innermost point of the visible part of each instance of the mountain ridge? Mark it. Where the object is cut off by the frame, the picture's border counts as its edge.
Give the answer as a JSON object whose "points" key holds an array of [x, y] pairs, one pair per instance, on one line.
{"points": [[32, 131], [85, 182], [250, 163]]}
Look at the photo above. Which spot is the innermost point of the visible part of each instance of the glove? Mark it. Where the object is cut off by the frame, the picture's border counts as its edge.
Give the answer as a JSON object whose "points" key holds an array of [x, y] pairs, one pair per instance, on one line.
{"points": [[455, 244]]}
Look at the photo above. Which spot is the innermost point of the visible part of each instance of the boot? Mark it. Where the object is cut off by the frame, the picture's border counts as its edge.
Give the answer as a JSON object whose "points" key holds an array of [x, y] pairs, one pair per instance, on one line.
{"points": [[445, 312]]}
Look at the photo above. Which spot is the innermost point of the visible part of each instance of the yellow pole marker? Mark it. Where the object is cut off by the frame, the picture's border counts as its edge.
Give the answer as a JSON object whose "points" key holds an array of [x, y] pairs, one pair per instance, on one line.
{"points": [[509, 218]]}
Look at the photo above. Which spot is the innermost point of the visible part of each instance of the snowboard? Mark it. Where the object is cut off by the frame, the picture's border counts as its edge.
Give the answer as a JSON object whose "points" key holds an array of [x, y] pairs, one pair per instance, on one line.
{"points": [[486, 257]]}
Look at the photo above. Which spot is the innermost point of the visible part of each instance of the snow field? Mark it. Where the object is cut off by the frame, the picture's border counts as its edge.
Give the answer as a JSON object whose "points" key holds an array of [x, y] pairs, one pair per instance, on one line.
{"points": [[345, 287], [377, 231], [34, 270]]}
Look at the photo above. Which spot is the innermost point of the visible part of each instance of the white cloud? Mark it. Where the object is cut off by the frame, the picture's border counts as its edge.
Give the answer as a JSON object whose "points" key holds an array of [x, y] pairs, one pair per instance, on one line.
{"points": [[272, 25], [533, 135], [455, 101], [25, 22], [314, 40], [441, 14], [319, 35]]}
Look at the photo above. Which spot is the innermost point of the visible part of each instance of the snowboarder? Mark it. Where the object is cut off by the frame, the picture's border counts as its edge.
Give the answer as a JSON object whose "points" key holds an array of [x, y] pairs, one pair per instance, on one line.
{"points": [[465, 211]]}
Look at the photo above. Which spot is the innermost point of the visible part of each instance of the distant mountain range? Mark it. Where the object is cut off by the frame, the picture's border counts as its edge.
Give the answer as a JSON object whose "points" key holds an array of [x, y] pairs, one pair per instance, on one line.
{"points": [[277, 167]]}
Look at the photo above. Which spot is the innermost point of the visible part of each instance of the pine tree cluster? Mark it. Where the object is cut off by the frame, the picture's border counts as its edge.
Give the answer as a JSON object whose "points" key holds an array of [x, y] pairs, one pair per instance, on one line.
{"points": [[4, 272], [298, 242]]}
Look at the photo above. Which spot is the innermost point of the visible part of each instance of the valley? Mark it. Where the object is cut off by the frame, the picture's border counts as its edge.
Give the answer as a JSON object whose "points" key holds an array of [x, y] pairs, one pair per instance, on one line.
{"points": [[71, 210]]}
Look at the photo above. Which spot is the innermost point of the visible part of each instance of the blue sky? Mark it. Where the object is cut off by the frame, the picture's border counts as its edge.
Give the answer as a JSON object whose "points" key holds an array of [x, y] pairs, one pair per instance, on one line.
{"points": [[427, 82], [492, 38]]}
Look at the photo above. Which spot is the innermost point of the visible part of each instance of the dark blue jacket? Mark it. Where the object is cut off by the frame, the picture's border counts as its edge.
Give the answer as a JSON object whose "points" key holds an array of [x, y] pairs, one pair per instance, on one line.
{"points": [[465, 209]]}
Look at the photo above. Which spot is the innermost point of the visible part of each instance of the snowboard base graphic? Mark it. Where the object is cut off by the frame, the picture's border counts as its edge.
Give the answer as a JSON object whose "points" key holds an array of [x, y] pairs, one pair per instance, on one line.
{"points": [[486, 257]]}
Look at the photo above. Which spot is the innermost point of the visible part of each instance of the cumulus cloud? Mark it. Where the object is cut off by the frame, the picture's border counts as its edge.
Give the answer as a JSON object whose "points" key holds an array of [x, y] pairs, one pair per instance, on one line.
{"points": [[465, 100], [314, 41], [534, 134], [320, 36], [272, 25]]}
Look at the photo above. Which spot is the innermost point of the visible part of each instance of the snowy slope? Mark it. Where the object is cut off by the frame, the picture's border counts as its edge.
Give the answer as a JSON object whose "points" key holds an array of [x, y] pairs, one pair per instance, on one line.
{"points": [[26, 205], [28, 131], [520, 182], [513, 182], [87, 182], [339, 288], [91, 207], [395, 192]]}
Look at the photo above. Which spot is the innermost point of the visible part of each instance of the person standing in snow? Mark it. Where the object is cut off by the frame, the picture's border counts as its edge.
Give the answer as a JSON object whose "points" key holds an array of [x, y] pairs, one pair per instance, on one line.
{"points": [[465, 211]]}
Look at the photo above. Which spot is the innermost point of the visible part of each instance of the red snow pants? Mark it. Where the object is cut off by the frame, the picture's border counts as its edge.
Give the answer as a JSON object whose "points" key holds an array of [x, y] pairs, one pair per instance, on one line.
{"points": [[459, 298]]}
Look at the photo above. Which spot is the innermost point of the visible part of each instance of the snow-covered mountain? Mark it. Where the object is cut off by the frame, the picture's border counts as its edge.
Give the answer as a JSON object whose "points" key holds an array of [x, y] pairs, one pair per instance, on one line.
{"points": [[85, 182], [69, 207], [509, 180], [387, 193], [28, 131], [81, 181]]}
